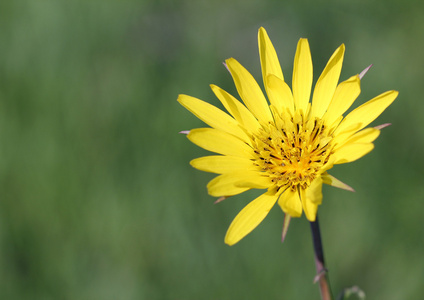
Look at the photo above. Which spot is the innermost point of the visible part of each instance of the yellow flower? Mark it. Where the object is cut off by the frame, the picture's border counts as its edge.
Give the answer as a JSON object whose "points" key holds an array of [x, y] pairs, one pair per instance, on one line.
{"points": [[287, 146]]}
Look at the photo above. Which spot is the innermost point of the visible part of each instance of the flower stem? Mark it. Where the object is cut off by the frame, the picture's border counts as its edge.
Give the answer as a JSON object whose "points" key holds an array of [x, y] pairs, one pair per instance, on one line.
{"points": [[321, 276]]}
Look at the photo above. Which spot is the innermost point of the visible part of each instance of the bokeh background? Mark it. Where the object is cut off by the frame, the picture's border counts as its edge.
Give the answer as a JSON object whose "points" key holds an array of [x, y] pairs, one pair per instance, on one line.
{"points": [[97, 198]]}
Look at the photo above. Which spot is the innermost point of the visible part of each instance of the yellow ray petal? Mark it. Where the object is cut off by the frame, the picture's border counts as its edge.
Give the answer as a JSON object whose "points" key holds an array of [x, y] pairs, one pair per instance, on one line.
{"points": [[327, 166], [351, 152], [310, 208], [311, 198], [268, 56], [224, 185], [327, 83], [236, 109], [220, 142], [314, 191], [250, 217], [212, 116], [302, 75], [341, 138], [223, 164], [279, 94], [290, 203], [254, 180], [367, 135], [249, 91], [344, 96], [367, 112], [331, 180]]}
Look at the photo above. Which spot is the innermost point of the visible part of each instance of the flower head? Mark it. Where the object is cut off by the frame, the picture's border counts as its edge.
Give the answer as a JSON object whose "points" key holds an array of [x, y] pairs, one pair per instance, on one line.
{"points": [[285, 146]]}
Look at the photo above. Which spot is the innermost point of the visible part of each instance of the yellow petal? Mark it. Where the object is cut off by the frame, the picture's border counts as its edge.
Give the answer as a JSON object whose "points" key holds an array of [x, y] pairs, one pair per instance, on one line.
{"points": [[367, 112], [236, 109], [212, 116], [220, 142], [290, 203], [327, 83], [351, 152], [254, 180], [223, 164], [344, 96], [268, 56], [327, 166], [249, 91], [250, 217], [224, 185], [314, 191], [341, 138], [310, 208], [279, 94], [331, 180], [311, 198], [367, 135], [302, 75]]}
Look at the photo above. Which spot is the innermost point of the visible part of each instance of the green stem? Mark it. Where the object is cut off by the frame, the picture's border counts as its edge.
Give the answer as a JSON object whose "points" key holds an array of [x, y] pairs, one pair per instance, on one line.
{"points": [[321, 276]]}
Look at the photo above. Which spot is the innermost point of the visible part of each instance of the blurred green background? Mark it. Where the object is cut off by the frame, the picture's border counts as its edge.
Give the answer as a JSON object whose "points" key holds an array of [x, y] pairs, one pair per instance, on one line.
{"points": [[98, 200]]}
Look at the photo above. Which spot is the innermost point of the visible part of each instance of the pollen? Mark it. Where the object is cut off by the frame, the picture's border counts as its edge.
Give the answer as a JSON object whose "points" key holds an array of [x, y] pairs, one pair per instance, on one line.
{"points": [[293, 150]]}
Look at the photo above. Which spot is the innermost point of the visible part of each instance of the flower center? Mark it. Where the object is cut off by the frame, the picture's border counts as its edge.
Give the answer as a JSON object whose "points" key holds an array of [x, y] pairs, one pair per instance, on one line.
{"points": [[293, 149]]}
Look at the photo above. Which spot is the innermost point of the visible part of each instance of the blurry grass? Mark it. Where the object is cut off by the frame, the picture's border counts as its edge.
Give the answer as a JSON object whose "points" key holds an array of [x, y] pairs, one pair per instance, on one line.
{"points": [[97, 198]]}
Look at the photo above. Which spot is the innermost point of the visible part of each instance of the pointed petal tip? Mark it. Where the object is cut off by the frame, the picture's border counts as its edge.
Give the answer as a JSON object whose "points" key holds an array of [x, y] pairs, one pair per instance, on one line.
{"points": [[379, 127], [220, 199], [395, 92], [331, 180], [226, 66], [228, 242], [303, 40], [349, 188], [342, 47], [362, 74], [286, 224], [311, 217], [180, 99], [184, 132]]}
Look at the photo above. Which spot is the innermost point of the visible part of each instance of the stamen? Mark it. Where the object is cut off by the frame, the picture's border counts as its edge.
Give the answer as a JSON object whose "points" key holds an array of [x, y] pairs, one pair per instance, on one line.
{"points": [[294, 158]]}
